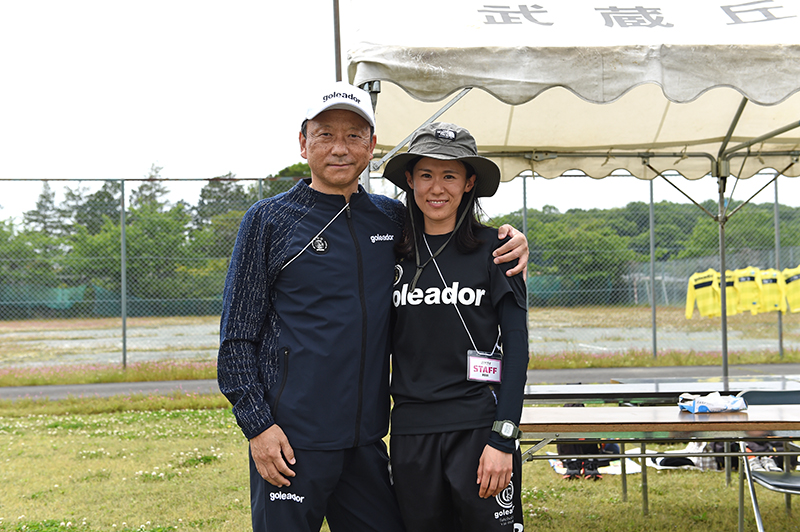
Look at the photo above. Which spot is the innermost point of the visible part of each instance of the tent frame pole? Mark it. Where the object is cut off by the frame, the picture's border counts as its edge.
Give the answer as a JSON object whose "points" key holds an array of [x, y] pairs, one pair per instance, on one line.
{"points": [[723, 281], [375, 165], [337, 41], [752, 142]]}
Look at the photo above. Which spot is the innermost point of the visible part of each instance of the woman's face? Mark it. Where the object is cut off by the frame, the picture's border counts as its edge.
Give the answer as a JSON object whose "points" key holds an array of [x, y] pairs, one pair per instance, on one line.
{"points": [[438, 187]]}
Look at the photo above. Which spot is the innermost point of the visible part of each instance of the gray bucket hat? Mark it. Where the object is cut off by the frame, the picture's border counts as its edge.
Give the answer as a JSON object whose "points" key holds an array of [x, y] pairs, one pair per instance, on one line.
{"points": [[440, 140]]}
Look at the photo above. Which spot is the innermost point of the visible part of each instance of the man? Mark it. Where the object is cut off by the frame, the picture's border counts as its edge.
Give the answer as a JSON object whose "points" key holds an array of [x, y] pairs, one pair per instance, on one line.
{"points": [[304, 351]]}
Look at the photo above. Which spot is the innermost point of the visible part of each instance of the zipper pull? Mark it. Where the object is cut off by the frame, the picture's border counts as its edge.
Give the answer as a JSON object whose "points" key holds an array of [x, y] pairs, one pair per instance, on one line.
{"points": [[347, 211]]}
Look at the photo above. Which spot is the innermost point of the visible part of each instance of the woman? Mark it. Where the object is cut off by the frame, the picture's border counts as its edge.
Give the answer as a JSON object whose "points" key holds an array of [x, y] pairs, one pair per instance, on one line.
{"points": [[457, 400]]}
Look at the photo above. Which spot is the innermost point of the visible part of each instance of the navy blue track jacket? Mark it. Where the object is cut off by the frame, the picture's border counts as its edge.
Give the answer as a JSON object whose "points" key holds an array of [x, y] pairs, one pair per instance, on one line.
{"points": [[304, 335]]}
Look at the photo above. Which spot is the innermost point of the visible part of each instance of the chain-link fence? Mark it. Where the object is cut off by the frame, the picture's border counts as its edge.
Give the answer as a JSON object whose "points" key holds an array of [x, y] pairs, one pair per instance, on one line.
{"points": [[592, 282], [66, 263]]}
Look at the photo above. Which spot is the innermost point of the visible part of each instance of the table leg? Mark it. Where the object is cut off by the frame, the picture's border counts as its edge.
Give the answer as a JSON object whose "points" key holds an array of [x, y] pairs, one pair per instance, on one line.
{"points": [[741, 495], [624, 471], [727, 459], [644, 480]]}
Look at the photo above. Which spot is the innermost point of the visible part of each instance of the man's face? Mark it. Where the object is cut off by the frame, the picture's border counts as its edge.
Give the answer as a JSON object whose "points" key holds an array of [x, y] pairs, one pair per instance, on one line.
{"points": [[338, 148]]}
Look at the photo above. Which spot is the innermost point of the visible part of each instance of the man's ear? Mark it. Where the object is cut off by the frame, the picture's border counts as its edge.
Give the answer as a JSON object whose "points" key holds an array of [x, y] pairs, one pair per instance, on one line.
{"points": [[303, 152]]}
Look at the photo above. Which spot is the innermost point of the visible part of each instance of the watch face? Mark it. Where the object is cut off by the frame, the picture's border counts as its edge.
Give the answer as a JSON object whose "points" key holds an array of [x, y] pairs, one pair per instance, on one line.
{"points": [[507, 430]]}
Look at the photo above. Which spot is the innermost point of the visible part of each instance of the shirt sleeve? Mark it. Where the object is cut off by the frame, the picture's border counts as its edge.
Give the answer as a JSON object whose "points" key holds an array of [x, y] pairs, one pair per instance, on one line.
{"points": [[514, 329], [501, 284], [245, 307]]}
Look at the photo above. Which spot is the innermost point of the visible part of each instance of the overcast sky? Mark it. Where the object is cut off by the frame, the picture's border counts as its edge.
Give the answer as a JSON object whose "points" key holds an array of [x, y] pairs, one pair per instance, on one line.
{"points": [[104, 89]]}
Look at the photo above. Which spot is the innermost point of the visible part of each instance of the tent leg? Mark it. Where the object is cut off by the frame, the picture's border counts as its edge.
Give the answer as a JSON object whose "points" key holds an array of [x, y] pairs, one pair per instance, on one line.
{"points": [[525, 232], [373, 88], [723, 281], [653, 269]]}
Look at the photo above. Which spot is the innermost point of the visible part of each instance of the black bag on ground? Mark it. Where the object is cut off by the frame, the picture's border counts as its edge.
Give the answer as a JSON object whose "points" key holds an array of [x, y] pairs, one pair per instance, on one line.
{"points": [[580, 448]]}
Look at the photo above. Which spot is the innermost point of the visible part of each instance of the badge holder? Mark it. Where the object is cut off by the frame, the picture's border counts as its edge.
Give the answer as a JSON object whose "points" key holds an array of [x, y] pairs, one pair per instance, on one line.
{"points": [[484, 367]]}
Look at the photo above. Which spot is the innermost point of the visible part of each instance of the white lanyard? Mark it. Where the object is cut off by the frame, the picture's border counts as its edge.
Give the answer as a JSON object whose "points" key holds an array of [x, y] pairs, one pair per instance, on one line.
{"points": [[455, 301], [316, 236]]}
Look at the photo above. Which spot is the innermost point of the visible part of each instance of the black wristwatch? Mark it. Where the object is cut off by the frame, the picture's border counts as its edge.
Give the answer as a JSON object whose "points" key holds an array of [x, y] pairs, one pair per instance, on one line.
{"points": [[506, 429]]}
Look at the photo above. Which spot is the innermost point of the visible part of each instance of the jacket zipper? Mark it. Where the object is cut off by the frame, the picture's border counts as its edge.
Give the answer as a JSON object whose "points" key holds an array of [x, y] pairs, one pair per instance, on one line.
{"points": [[363, 326], [284, 377]]}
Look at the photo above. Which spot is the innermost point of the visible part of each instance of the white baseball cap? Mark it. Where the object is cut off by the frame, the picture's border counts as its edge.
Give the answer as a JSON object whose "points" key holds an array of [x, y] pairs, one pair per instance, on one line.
{"points": [[342, 95]]}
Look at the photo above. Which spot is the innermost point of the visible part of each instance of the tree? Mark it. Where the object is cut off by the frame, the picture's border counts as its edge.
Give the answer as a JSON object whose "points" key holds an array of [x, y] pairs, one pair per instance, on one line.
{"points": [[73, 199], [157, 244], [752, 228], [295, 170], [278, 183], [95, 256], [590, 259], [219, 196], [14, 255], [46, 217], [37, 256], [151, 192], [100, 207]]}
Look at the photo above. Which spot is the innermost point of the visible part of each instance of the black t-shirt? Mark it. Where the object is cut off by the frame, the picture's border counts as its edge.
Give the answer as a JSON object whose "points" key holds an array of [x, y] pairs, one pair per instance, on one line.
{"points": [[429, 363]]}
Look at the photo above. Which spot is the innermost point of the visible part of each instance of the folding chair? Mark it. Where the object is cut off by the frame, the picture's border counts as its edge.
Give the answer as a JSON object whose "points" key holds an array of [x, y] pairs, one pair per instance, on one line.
{"points": [[787, 481]]}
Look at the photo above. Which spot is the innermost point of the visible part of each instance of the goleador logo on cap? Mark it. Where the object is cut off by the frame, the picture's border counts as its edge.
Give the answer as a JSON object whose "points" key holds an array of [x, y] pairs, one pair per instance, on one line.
{"points": [[340, 95]]}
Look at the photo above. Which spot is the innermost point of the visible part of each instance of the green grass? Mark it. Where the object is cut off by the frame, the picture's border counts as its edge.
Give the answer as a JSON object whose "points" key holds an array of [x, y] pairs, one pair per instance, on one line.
{"points": [[685, 500], [119, 403], [170, 370], [637, 359], [158, 370], [186, 469], [178, 461], [143, 470]]}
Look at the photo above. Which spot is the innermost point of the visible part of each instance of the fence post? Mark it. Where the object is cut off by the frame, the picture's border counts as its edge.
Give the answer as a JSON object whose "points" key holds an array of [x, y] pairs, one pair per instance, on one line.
{"points": [[123, 288], [778, 264]]}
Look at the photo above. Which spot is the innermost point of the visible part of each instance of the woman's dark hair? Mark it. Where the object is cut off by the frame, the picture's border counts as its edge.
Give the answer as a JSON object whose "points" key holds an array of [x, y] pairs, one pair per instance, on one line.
{"points": [[465, 239]]}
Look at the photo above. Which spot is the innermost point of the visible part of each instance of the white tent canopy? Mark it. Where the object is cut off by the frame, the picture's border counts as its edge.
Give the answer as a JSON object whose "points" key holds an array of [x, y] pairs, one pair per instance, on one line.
{"points": [[596, 87], [694, 86]]}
